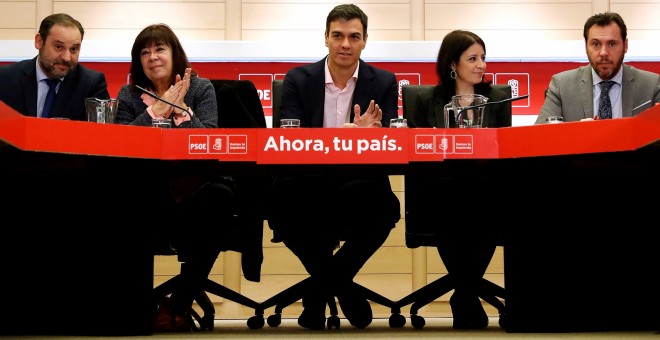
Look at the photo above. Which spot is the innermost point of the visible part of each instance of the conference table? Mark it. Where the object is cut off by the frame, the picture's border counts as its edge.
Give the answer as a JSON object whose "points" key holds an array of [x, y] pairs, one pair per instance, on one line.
{"points": [[578, 207]]}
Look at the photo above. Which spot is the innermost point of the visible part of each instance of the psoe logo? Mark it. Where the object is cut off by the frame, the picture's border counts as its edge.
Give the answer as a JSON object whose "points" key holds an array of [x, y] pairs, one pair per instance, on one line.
{"points": [[198, 144], [424, 144], [218, 144], [444, 144], [237, 144]]}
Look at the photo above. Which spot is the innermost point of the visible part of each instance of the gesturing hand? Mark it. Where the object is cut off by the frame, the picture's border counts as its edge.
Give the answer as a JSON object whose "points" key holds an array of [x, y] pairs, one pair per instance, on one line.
{"points": [[371, 118]]}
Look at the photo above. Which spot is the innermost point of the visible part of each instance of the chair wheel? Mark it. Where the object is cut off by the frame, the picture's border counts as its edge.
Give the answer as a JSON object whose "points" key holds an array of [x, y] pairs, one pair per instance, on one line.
{"points": [[274, 320], [255, 322], [397, 321], [333, 322], [417, 321]]}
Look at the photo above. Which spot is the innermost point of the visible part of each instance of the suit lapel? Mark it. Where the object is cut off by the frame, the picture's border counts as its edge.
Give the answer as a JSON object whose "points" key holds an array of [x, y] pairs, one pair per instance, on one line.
{"points": [[28, 85], [65, 93], [628, 91], [587, 93], [316, 97], [362, 95]]}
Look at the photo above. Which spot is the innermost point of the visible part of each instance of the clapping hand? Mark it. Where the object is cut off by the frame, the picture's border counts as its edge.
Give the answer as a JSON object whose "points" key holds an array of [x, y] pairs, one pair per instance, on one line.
{"points": [[371, 118], [183, 90], [177, 92]]}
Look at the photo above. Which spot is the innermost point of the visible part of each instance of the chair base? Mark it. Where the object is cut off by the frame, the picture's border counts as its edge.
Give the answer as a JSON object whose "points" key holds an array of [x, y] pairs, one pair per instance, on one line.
{"points": [[488, 291], [294, 293]]}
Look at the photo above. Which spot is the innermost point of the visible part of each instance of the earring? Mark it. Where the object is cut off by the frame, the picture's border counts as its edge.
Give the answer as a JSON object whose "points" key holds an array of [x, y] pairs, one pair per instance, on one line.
{"points": [[452, 74]]}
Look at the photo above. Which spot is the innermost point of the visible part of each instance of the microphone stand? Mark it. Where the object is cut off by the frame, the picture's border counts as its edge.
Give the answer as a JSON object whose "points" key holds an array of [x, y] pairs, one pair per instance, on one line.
{"points": [[153, 95], [488, 103]]}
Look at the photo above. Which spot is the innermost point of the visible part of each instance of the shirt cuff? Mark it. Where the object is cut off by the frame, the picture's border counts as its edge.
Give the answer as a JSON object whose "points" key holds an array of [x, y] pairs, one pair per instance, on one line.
{"points": [[178, 120]]}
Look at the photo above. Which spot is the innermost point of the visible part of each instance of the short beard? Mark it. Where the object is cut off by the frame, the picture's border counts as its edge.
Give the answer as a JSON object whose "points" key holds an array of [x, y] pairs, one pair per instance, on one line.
{"points": [[49, 68]]}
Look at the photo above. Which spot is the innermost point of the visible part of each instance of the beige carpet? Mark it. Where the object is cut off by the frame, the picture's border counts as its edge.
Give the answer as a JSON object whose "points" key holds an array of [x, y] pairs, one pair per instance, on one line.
{"points": [[379, 329]]}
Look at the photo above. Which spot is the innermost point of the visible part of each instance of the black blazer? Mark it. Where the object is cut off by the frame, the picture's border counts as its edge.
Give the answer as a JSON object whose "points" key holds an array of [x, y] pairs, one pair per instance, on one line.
{"points": [[18, 89], [303, 93]]}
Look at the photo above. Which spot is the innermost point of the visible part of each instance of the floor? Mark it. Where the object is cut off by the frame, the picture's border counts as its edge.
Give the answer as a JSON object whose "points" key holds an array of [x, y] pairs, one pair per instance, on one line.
{"points": [[435, 328]]}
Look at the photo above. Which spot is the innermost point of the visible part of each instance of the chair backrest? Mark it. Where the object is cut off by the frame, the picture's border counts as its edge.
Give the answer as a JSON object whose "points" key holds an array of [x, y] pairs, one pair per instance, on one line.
{"points": [[504, 87], [277, 101], [239, 105], [408, 95]]}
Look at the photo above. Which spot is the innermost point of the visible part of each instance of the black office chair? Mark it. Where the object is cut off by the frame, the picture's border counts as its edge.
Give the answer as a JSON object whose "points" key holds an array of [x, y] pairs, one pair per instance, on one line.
{"points": [[295, 292], [431, 192], [239, 106], [276, 95]]}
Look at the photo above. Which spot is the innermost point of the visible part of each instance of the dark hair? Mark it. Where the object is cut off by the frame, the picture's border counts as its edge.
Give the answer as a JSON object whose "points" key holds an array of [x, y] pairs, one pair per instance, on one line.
{"points": [[604, 19], [346, 12], [62, 19], [157, 34], [451, 48]]}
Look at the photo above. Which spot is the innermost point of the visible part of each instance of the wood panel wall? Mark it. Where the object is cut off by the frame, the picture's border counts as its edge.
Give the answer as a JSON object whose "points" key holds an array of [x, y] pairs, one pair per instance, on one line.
{"points": [[302, 22]]}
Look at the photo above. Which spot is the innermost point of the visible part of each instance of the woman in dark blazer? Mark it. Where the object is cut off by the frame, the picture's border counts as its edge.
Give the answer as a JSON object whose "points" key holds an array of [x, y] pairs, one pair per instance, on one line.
{"points": [[466, 249]]}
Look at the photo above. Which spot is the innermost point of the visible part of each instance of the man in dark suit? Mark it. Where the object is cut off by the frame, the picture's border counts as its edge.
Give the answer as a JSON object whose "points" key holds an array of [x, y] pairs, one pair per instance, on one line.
{"points": [[313, 213], [24, 84], [575, 94]]}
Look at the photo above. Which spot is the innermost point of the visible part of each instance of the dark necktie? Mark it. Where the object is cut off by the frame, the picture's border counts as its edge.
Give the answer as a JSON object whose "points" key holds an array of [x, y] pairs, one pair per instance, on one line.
{"points": [[50, 97], [604, 104]]}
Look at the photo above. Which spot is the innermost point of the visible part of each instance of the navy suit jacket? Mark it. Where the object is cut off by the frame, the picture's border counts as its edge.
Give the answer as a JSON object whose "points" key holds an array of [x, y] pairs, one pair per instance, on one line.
{"points": [[18, 89], [303, 93]]}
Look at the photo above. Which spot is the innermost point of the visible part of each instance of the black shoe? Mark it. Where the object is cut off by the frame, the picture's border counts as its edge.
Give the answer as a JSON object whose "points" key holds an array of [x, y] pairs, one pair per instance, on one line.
{"points": [[355, 307], [313, 314], [311, 320], [468, 312]]}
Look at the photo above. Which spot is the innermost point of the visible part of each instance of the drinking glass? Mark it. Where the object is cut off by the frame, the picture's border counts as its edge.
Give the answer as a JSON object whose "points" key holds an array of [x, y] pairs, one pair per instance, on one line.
{"points": [[398, 123], [289, 123], [161, 122]]}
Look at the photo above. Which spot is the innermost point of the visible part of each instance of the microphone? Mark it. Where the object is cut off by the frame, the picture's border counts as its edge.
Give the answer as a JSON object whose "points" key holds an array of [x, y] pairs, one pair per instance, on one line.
{"points": [[153, 95], [488, 103]]}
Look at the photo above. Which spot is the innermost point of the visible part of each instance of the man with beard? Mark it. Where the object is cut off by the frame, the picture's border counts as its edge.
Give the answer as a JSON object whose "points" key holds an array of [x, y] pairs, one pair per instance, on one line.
{"points": [[25, 84], [576, 94]]}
